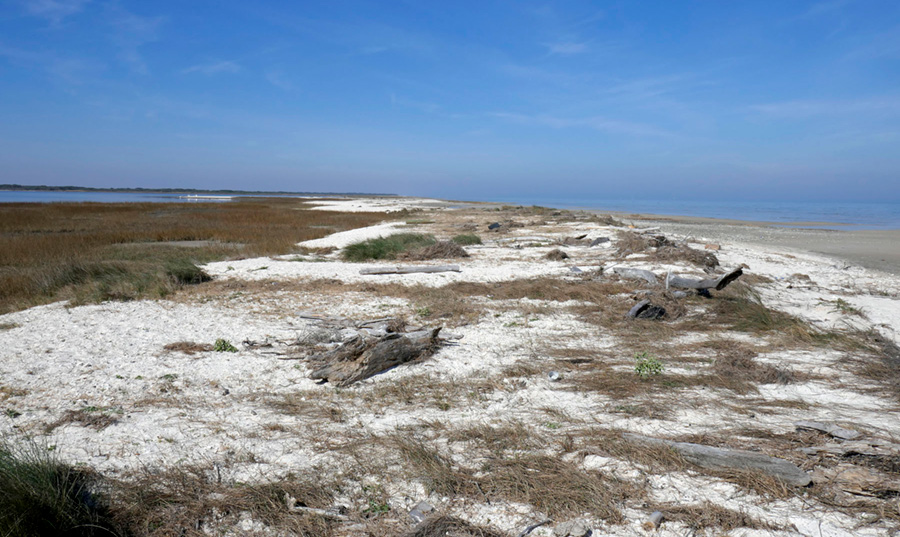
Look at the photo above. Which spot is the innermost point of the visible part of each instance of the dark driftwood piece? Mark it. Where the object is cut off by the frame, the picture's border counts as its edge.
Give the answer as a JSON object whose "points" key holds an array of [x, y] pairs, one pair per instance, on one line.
{"points": [[730, 459], [710, 283], [363, 357], [645, 310], [410, 270]]}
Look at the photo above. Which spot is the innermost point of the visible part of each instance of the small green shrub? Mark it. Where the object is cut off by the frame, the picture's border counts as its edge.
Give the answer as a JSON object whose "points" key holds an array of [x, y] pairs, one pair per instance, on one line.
{"points": [[646, 365], [467, 239], [222, 345], [386, 247]]}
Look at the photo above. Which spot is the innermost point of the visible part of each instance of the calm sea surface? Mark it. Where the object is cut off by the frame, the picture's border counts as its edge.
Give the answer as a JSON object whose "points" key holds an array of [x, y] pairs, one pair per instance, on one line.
{"points": [[787, 213], [850, 215]]}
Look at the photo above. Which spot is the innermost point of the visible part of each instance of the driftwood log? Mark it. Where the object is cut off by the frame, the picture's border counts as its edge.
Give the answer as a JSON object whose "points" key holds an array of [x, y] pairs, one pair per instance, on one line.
{"points": [[410, 270], [363, 357], [718, 284], [730, 459], [635, 274], [827, 428]]}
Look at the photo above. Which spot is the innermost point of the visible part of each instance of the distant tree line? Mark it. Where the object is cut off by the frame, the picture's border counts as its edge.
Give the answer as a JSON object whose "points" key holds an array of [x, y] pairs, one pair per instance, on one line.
{"points": [[178, 190]]}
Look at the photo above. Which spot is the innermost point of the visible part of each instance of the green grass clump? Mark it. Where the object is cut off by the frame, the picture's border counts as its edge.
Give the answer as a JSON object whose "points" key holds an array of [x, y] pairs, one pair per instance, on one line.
{"points": [[183, 272], [40, 496], [467, 239], [646, 365], [387, 247], [222, 345]]}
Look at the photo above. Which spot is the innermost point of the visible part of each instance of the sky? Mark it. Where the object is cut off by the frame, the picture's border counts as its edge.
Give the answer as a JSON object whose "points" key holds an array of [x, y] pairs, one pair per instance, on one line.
{"points": [[576, 100]]}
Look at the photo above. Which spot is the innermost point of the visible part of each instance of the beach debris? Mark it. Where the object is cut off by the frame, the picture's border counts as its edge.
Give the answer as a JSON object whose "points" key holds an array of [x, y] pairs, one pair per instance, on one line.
{"points": [[673, 280], [858, 480], [712, 246], [533, 527], [428, 269], [645, 310], [494, 226], [655, 520], [827, 428], [575, 269], [449, 526], [364, 356], [873, 449], [554, 376], [714, 458], [556, 255], [599, 240], [335, 513], [420, 511], [634, 274], [573, 528]]}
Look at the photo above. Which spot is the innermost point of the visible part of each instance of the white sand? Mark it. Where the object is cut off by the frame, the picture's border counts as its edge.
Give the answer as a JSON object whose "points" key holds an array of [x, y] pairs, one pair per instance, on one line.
{"points": [[216, 406]]}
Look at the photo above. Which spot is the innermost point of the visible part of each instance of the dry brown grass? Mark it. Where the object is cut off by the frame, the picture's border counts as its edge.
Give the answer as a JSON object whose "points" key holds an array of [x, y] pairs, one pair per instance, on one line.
{"points": [[551, 485], [556, 255], [709, 515], [882, 363], [661, 249], [448, 526], [95, 418], [99, 251], [192, 501], [188, 347], [438, 250], [545, 288]]}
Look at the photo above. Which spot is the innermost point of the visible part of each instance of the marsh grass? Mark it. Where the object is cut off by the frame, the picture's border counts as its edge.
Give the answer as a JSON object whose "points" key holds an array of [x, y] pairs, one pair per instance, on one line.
{"points": [[89, 252]]}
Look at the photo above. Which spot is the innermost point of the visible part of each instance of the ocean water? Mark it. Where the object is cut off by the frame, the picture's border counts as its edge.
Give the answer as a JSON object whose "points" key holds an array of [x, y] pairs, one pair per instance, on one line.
{"points": [[824, 215]]}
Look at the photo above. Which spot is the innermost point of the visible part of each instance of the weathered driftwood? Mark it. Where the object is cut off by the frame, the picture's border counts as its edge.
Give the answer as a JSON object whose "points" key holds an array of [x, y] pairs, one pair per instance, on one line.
{"points": [[363, 357], [710, 283], [410, 270], [730, 459], [859, 480], [827, 428], [869, 448], [292, 505], [634, 274]]}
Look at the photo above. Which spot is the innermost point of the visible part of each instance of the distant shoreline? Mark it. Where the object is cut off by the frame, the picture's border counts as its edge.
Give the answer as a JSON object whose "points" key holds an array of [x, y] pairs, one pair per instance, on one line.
{"points": [[140, 190]]}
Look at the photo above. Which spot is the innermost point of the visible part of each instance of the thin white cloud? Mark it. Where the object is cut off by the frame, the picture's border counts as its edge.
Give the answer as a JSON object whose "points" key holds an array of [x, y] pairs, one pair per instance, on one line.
{"points": [[66, 69], [214, 68], [815, 108], [279, 80], [598, 123], [54, 11], [130, 32], [566, 48]]}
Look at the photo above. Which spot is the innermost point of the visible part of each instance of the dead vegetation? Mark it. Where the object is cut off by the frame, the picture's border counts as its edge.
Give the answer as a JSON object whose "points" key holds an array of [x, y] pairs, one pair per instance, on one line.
{"points": [[193, 501], [556, 255], [551, 485], [709, 515], [438, 250], [188, 347], [659, 248], [93, 417], [448, 526]]}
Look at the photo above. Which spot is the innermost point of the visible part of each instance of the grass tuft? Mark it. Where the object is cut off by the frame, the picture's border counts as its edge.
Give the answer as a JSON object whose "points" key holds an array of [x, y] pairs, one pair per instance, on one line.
{"points": [[467, 239], [40, 496], [386, 247]]}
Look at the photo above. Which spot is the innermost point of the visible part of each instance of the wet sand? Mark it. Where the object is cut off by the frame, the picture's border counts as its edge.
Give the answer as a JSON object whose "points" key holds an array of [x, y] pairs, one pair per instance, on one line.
{"points": [[872, 249]]}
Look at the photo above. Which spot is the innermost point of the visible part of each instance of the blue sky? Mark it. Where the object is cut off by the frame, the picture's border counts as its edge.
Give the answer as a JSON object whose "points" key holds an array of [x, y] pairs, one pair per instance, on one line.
{"points": [[469, 100]]}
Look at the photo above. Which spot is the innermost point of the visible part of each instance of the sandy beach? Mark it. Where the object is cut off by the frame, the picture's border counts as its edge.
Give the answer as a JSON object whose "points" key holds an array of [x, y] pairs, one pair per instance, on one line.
{"points": [[518, 416]]}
